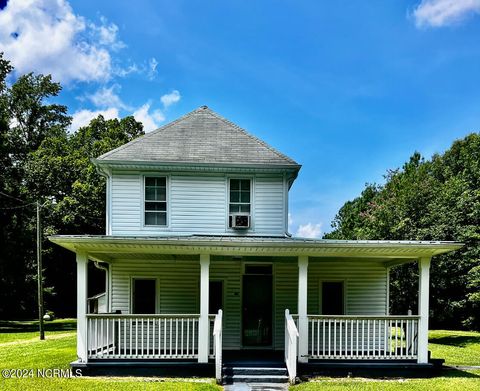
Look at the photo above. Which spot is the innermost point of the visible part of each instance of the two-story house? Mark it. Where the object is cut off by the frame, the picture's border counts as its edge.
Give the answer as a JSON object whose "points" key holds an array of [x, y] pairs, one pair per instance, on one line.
{"points": [[199, 262]]}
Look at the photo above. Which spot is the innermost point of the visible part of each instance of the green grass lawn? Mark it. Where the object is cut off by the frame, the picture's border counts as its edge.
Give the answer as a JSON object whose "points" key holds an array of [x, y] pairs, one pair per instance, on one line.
{"points": [[21, 330], [21, 348], [456, 347]]}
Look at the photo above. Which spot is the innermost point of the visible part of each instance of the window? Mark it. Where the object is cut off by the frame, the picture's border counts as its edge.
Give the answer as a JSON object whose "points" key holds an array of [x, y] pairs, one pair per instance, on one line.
{"points": [[156, 201], [332, 298], [143, 295], [215, 297], [239, 197]]}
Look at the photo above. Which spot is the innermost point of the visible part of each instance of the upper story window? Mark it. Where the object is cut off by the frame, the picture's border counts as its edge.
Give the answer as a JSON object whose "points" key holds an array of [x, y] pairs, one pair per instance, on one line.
{"points": [[240, 200], [156, 201]]}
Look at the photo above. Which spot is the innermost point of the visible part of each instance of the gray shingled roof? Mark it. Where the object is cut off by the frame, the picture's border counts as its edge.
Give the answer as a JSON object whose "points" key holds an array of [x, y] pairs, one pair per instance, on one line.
{"points": [[201, 136]]}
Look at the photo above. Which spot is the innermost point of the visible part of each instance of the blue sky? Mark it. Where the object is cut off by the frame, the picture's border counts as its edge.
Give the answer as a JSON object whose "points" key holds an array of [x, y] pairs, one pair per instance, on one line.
{"points": [[349, 89]]}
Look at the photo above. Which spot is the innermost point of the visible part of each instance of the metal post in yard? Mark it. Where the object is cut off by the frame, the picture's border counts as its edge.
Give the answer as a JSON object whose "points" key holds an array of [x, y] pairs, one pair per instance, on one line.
{"points": [[40, 273]]}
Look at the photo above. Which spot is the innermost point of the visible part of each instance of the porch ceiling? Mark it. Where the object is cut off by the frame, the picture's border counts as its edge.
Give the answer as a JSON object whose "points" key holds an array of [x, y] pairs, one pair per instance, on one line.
{"points": [[122, 247]]}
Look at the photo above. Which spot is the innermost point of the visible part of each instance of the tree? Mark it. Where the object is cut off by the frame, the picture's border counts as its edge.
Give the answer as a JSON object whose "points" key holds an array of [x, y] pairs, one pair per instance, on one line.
{"points": [[438, 199], [76, 194], [41, 160], [25, 120]]}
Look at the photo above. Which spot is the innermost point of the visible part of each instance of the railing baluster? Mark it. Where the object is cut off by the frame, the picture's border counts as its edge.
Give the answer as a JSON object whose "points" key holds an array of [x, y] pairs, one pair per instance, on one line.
{"points": [[357, 323], [340, 338], [102, 337], [318, 337], [323, 345], [192, 348], [329, 338], [181, 341], [148, 337], [396, 338], [373, 339], [351, 338], [176, 337], [188, 336]]}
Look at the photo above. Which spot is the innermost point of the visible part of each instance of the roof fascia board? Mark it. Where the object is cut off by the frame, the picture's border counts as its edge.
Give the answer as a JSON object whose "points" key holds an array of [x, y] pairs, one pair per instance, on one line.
{"points": [[172, 166], [354, 250]]}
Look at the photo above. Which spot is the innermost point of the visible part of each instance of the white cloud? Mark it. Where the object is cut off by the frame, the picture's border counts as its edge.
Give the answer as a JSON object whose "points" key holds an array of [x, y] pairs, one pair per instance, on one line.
{"points": [[152, 68], [107, 34], [83, 117], [150, 119], [170, 99], [438, 13], [309, 231], [290, 221], [45, 36], [107, 97]]}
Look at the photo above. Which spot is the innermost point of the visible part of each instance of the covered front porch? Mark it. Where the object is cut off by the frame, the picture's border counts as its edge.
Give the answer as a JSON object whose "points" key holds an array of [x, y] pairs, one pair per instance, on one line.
{"points": [[302, 276]]}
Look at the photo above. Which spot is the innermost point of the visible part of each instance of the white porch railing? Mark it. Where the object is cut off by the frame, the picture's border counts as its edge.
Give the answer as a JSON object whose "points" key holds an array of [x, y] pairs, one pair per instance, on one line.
{"points": [[112, 336], [291, 339], [217, 345], [363, 337]]}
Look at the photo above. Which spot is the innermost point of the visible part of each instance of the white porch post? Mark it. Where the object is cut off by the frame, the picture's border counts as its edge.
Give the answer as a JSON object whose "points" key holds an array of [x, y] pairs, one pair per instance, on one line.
{"points": [[423, 293], [203, 323], [302, 308], [82, 280]]}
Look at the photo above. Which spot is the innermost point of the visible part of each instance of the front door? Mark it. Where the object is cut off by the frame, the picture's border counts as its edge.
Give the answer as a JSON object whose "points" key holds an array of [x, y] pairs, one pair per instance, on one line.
{"points": [[257, 310]]}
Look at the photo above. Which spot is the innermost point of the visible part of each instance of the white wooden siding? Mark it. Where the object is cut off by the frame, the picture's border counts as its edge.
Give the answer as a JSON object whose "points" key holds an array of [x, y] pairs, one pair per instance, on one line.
{"points": [[178, 289], [177, 282], [269, 206], [364, 284], [196, 205], [286, 297], [230, 271], [126, 211]]}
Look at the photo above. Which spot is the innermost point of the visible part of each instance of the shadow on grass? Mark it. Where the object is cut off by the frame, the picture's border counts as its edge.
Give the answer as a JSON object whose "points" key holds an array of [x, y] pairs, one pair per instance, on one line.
{"points": [[456, 340], [27, 326], [452, 372]]}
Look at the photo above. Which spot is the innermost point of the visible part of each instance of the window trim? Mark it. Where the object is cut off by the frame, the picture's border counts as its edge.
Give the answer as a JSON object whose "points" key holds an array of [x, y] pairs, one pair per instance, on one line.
{"points": [[167, 200], [251, 178], [157, 291], [344, 294]]}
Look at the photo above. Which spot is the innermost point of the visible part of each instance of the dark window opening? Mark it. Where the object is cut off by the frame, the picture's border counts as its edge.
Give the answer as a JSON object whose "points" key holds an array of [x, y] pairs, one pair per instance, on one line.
{"points": [[215, 300], [143, 296], [332, 298]]}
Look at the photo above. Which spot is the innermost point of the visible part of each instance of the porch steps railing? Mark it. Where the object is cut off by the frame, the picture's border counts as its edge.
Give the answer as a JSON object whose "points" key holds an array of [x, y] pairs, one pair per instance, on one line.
{"points": [[217, 345], [291, 342], [112, 336], [363, 337]]}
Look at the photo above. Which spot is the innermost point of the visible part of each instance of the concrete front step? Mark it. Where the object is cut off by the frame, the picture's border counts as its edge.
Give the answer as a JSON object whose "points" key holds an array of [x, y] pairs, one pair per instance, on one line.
{"points": [[256, 387], [254, 375], [255, 371], [255, 379]]}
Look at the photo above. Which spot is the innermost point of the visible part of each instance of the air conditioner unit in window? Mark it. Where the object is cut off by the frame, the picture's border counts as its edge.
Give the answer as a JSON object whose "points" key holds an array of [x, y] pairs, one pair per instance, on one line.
{"points": [[239, 221]]}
